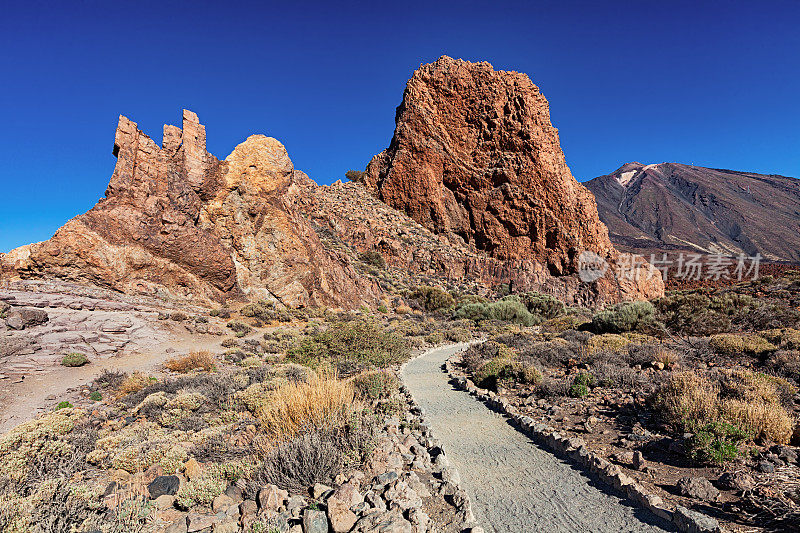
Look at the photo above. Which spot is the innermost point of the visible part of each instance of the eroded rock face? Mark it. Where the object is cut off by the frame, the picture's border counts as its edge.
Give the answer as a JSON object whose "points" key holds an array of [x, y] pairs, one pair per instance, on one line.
{"points": [[475, 157], [178, 222], [474, 154]]}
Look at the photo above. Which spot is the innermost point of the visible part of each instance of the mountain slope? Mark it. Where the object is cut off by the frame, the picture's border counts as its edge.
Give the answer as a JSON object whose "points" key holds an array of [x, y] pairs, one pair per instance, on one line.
{"points": [[671, 206]]}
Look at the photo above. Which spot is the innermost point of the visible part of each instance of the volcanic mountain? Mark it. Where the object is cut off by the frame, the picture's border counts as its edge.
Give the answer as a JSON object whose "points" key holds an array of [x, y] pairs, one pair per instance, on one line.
{"points": [[675, 207]]}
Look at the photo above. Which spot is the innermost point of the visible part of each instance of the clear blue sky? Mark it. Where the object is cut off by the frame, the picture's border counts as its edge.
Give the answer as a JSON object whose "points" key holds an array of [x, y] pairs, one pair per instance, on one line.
{"points": [[708, 83]]}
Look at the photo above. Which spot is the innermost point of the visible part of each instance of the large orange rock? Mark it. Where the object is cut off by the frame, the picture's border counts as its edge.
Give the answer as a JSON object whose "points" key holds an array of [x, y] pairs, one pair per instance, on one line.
{"points": [[475, 157], [177, 222]]}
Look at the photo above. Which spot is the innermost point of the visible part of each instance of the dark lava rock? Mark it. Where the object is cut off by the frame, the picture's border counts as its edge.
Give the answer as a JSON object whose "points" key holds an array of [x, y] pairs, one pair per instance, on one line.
{"points": [[162, 485]]}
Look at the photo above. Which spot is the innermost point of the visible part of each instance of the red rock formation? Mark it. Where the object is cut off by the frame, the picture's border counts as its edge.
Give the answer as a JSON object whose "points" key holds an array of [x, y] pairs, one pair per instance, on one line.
{"points": [[176, 221], [474, 156]]}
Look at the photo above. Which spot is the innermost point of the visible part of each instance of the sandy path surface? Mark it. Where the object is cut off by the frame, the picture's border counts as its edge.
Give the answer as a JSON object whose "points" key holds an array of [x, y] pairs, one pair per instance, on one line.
{"points": [[41, 391], [515, 486]]}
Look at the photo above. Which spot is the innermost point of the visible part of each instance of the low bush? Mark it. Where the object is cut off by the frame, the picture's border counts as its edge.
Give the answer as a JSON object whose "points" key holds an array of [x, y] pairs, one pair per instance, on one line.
{"points": [[607, 342], [320, 402], [376, 385], [263, 311], [74, 359], [221, 313], [543, 305], [192, 361], [316, 456], [240, 329], [95, 396], [351, 347], [509, 309], [730, 344], [432, 298], [178, 316], [628, 316], [581, 384], [748, 401], [64, 405], [110, 379], [716, 442]]}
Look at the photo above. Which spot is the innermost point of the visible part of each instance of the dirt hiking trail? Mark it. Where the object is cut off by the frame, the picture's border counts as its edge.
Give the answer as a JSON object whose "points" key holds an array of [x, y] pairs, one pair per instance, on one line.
{"points": [[514, 485]]}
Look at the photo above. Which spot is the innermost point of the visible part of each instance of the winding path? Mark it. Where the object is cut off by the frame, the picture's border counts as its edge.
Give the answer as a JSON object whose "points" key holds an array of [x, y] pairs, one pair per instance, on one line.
{"points": [[515, 486]]}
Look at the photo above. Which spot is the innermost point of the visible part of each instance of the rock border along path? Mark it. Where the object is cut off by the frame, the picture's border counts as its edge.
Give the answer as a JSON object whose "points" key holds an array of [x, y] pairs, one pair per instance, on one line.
{"points": [[513, 484]]}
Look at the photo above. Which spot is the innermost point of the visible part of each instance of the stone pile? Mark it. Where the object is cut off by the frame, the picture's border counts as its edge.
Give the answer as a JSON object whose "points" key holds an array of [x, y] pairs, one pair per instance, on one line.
{"points": [[407, 486]]}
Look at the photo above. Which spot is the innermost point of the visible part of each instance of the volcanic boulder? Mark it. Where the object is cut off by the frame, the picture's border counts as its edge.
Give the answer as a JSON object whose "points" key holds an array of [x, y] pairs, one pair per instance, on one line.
{"points": [[475, 157]]}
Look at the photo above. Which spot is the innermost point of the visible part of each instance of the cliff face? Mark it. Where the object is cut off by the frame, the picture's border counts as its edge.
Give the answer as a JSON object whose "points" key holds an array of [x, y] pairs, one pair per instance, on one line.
{"points": [[178, 222], [474, 157], [474, 154], [673, 207]]}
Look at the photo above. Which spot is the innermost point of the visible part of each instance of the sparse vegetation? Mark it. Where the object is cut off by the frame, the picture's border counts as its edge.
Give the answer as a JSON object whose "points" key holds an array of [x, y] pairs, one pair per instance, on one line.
{"points": [[74, 359], [351, 347], [192, 361]]}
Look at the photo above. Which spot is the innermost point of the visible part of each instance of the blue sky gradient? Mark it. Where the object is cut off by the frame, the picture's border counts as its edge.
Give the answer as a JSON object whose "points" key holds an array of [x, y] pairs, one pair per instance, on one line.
{"points": [[707, 83]]}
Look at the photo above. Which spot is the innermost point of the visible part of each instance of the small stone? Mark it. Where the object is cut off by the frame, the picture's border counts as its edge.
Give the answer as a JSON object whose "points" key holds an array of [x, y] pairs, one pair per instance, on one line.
{"points": [[698, 487], [766, 467], [162, 485], [198, 522], [192, 468], [638, 460], [695, 522], [221, 503], [315, 521], [165, 501], [736, 481], [271, 498], [319, 490], [178, 526]]}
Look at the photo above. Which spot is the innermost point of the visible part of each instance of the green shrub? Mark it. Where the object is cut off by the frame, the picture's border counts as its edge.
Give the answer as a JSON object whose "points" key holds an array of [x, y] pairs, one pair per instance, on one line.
{"points": [[543, 305], [240, 329], [698, 313], [74, 359], [95, 396], [492, 372], [509, 309], [578, 390], [352, 347], [628, 316], [64, 405], [433, 298], [716, 442], [376, 385], [580, 385]]}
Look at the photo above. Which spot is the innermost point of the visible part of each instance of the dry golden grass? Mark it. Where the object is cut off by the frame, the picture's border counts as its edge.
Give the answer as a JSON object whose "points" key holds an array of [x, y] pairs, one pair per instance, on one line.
{"points": [[747, 400], [133, 383], [688, 396], [607, 342], [769, 421], [192, 361], [322, 401]]}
